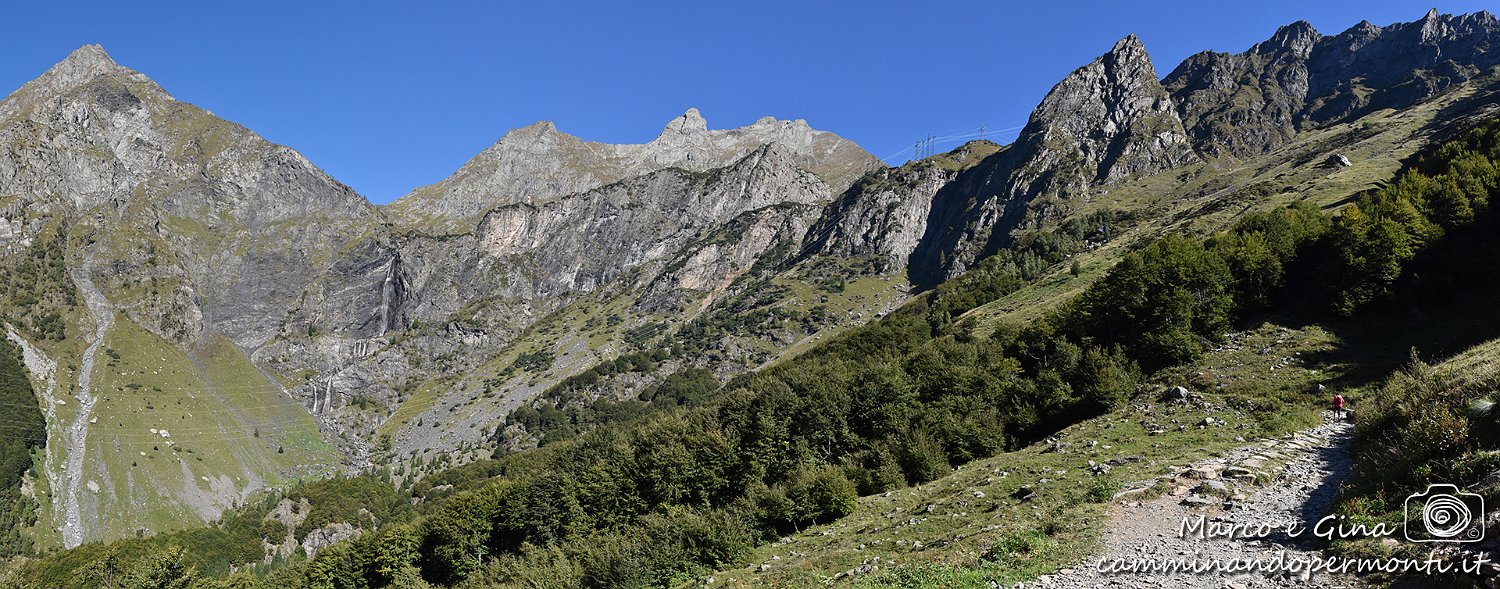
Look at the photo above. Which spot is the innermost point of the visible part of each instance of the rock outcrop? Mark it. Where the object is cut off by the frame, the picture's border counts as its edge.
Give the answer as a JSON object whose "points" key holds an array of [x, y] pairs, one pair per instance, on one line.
{"points": [[1245, 104], [882, 217], [1108, 121], [1112, 119], [238, 225], [1248, 103], [580, 243]]}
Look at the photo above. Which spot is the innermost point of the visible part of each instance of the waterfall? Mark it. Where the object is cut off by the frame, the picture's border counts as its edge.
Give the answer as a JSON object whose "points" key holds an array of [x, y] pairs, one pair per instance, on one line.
{"points": [[321, 399], [387, 292]]}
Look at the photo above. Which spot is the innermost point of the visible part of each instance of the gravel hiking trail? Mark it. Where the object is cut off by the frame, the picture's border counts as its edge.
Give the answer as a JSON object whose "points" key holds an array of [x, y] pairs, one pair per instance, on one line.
{"points": [[1308, 467]]}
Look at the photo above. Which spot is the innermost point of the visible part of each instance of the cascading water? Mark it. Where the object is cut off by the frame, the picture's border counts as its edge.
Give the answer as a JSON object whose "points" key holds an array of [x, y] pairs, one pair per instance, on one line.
{"points": [[387, 293]]}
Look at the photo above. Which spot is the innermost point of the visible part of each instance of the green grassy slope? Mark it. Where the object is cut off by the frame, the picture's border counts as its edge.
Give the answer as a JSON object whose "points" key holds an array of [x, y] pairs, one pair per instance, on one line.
{"points": [[231, 433]]}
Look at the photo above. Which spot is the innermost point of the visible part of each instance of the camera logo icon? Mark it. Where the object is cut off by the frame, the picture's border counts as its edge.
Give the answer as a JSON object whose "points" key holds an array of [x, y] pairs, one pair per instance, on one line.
{"points": [[1443, 514]]}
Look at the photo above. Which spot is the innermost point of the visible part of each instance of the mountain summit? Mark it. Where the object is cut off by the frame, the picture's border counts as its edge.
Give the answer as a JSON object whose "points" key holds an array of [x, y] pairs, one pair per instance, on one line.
{"points": [[1248, 103], [1106, 122], [538, 163]]}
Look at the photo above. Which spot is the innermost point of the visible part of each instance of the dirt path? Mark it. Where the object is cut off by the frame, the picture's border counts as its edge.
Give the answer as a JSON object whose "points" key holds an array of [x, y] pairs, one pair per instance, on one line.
{"points": [[1143, 535], [77, 433]]}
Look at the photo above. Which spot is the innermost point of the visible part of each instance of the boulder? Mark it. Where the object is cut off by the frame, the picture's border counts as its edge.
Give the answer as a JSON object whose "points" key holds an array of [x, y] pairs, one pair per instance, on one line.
{"points": [[1202, 473], [1176, 394], [1212, 488]]}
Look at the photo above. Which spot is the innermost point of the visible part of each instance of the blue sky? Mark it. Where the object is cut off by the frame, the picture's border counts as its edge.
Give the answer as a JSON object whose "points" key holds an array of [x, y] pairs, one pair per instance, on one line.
{"points": [[388, 96]]}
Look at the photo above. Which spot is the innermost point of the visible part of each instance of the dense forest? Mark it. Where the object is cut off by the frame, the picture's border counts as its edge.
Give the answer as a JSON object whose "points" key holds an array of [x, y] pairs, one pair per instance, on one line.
{"points": [[22, 432], [658, 490]]}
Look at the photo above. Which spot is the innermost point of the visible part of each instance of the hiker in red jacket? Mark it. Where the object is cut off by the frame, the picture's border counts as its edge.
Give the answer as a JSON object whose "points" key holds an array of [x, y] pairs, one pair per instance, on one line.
{"points": [[1338, 406]]}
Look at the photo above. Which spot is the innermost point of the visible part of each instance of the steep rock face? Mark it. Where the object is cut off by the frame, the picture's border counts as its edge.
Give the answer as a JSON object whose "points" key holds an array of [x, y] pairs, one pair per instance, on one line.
{"points": [[883, 216], [234, 221], [1367, 68], [1106, 122], [1248, 103], [707, 269], [672, 236], [538, 163], [579, 243]]}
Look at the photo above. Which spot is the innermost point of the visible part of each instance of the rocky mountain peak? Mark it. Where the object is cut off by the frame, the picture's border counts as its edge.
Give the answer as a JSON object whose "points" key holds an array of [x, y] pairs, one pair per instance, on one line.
{"points": [[690, 123], [83, 64], [1114, 114], [1362, 32], [1296, 39], [1434, 27], [1128, 48], [538, 163], [1248, 103], [537, 128], [1106, 122], [530, 137]]}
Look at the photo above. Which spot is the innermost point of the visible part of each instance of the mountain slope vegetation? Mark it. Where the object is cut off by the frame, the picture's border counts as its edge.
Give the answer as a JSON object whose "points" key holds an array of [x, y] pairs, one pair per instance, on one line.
{"points": [[703, 475], [562, 368]]}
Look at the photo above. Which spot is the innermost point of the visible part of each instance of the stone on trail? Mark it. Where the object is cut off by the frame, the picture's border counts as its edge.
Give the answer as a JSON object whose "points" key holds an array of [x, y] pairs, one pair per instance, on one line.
{"points": [[1212, 487]]}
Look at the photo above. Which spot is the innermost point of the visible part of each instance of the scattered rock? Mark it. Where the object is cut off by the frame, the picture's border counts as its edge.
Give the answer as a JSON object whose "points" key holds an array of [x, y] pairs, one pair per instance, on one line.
{"points": [[1176, 394], [1135, 491], [1212, 487], [1307, 470], [1203, 473], [1239, 472]]}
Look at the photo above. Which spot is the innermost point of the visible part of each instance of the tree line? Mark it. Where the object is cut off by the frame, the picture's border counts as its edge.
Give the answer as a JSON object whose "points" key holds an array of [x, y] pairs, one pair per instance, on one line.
{"points": [[694, 482]]}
